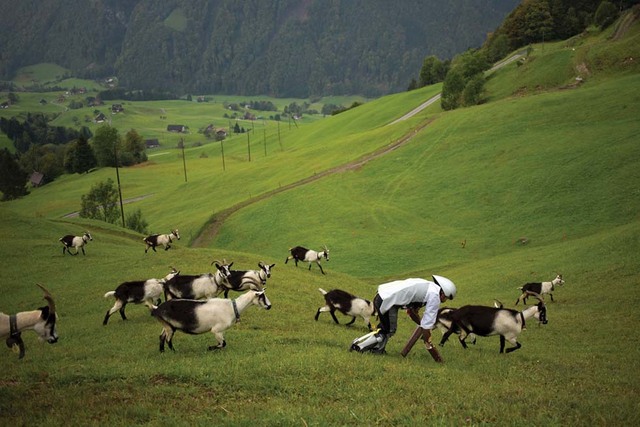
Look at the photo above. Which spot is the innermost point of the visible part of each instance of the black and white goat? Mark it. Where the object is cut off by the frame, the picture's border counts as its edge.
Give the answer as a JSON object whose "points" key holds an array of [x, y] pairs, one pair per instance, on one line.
{"points": [[197, 317], [199, 286], [145, 292], [445, 323], [486, 321], [243, 280], [164, 240], [347, 304], [300, 253], [42, 321], [539, 288], [70, 241]]}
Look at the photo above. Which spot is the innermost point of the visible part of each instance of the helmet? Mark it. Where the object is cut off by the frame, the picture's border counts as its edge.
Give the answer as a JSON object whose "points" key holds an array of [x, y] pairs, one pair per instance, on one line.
{"points": [[447, 286]]}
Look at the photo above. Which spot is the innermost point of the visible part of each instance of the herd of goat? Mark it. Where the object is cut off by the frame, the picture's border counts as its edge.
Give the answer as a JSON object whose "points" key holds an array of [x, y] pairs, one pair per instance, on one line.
{"points": [[192, 303]]}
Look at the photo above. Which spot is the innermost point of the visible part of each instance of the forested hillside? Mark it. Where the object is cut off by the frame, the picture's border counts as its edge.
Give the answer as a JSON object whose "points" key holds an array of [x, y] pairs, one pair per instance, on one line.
{"points": [[283, 48]]}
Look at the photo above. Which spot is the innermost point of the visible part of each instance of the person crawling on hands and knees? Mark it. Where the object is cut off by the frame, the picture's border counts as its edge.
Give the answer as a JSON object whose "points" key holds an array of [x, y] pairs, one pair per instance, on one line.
{"points": [[411, 294]]}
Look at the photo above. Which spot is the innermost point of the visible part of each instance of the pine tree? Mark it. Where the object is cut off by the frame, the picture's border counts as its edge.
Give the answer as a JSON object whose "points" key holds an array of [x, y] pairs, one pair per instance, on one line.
{"points": [[13, 179]]}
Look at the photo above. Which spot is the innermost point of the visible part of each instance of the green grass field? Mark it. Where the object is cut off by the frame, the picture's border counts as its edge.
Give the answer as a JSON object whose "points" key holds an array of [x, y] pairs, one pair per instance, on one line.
{"points": [[558, 168]]}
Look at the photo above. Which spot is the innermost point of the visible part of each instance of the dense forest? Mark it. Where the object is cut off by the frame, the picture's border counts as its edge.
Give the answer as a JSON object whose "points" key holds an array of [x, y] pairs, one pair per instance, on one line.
{"points": [[282, 48]]}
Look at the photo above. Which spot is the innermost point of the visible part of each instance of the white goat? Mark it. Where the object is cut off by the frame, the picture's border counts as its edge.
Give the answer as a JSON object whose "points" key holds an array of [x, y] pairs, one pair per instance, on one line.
{"points": [[539, 288], [145, 292], [485, 321], [70, 241], [42, 321], [243, 280], [299, 253], [160, 239], [197, 317], [347, 304]]}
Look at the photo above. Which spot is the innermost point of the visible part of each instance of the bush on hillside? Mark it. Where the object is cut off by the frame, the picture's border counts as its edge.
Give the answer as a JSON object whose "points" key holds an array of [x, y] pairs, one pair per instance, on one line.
{"points": [[136, 222], [101, 202]]}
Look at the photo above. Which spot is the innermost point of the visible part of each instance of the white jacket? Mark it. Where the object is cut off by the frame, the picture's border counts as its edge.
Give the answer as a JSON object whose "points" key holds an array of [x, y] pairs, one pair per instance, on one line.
{"points": [[408, 291]]}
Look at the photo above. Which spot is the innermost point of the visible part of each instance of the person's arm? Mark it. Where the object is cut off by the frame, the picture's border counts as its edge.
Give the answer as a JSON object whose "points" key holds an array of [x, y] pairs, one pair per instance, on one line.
{"points": [[413, 314]]}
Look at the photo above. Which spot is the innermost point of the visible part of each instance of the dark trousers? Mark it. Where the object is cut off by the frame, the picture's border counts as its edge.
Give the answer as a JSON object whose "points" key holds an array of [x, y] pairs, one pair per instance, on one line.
{"points": [[389, 320]]}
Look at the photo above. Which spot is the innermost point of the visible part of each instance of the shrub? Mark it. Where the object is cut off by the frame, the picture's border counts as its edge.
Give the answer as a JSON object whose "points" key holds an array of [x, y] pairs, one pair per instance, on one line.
{"points": [[135, 221]]}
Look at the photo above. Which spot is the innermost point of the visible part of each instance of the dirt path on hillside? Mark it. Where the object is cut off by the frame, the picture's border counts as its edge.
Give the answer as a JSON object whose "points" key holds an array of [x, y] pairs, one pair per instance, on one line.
{"points": [[211, 228]]}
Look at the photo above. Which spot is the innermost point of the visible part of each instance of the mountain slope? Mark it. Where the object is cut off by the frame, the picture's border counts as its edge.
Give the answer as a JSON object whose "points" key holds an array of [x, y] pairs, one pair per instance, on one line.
{"points": [[284, 48]]}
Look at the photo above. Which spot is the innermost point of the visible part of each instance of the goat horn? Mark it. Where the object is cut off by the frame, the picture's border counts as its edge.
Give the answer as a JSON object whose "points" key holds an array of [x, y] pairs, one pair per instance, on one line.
{"points": [[48, 297], [536, 296], [215, 261], [173, 269], [260, 263]]}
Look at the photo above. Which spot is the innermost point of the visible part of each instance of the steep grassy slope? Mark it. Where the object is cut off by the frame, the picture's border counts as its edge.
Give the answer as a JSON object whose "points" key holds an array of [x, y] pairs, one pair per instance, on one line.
{"points": [[559, 168], [549, 168]]}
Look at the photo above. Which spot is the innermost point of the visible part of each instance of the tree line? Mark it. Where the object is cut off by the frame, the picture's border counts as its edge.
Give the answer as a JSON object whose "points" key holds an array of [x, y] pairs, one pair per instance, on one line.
{"points": [[54, 150]]}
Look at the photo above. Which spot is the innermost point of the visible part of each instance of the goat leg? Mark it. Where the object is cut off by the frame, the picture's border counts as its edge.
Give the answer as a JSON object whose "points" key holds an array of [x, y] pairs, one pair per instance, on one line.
{"points": [[335, 319]]}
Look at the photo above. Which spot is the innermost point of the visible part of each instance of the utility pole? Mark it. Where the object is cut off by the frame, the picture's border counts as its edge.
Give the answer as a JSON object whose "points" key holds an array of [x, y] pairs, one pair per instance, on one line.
{"points": [[222, 148], [264, 135], [184, 161], [115, 153], [248, 146]]}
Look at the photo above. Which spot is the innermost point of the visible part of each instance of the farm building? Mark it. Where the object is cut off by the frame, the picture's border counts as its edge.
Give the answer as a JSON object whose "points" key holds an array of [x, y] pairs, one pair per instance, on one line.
{"points": [[152, 143], [177, 128]]}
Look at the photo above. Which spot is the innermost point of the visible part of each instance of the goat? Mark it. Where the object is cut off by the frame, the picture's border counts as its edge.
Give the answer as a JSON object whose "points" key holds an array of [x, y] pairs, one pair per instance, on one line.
{"points": [[145, 292], [197, 317], [240, 280], [205, 285], [485, 321], [539, 288], [347, 304], [299, 253], [160, 239], [70, 241], [42, 321], [444, 323]]}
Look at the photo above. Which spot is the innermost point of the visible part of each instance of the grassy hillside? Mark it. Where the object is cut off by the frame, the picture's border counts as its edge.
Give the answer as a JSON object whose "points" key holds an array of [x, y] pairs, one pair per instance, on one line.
{"points": [[555, 168]]}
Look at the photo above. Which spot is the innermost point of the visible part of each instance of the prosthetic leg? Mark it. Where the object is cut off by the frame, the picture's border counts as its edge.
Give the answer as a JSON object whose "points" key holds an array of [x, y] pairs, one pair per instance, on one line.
{"points": [[373, 342]]}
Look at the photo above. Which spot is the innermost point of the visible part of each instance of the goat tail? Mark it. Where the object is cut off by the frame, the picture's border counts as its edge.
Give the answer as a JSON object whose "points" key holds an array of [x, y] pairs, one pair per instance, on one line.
{"points": [[322, 291], [109, 294], [520, 287]]}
